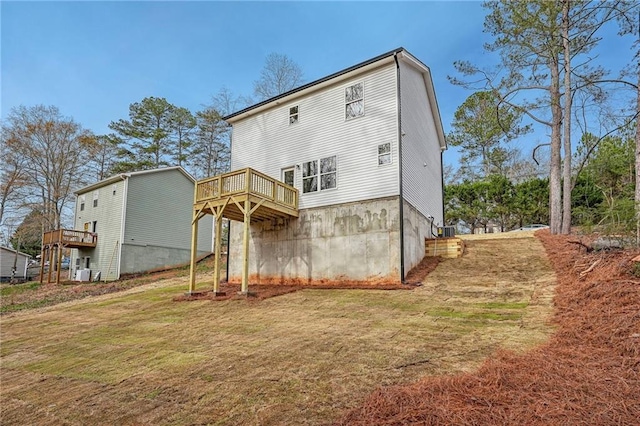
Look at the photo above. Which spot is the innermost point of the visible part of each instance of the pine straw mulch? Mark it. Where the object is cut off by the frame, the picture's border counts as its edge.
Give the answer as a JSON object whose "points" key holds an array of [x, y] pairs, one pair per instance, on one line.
{"points": [[259, 292], [587, 373]]}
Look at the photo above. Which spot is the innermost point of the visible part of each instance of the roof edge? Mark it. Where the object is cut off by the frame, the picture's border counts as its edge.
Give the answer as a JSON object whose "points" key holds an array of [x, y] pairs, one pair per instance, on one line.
{"points": [[124, 176], [316, 82]]}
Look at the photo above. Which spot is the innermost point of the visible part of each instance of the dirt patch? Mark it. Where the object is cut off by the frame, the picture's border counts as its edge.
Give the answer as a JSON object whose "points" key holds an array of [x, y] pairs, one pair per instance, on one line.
{"points": [[587, 373]]}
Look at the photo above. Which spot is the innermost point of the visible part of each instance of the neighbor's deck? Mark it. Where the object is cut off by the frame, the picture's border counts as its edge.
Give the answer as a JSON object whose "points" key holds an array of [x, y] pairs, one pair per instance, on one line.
{"points": [[269, 197], [70, 238]]}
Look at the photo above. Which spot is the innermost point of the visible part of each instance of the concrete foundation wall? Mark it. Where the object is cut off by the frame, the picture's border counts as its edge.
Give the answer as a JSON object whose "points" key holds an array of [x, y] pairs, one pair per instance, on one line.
{"points": [[141, 258], [352, 241], [416, 228]]}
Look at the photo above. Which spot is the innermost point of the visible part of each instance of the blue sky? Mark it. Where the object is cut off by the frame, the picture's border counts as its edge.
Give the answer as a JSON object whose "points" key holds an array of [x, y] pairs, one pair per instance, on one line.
{"points": [[93, 59]]}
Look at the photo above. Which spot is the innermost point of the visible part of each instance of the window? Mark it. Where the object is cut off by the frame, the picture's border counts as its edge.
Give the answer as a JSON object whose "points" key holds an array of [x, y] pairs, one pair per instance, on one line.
{"points": [[95, 203], [95, 198], [354, 101], [82, 203], [288, 176], [113, 189], [293, 115], [384, 153], [310, 176], [326, 174]]}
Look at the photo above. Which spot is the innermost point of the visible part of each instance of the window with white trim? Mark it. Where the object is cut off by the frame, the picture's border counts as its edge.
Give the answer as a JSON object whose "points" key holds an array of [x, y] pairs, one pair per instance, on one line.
{"points": [[293, 115], [354, 101], [82, 203], [320, 178], [95, 198], [384, 153]]}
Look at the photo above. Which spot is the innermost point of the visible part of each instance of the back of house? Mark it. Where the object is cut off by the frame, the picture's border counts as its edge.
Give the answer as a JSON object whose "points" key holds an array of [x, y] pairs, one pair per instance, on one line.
{"points": [[363, 148]]}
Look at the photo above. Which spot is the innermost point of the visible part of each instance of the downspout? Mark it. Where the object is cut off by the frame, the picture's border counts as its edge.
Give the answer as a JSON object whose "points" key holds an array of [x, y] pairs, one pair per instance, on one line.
{"points": [[229, 220], [399, 101], [444, 223], [122, 224]]}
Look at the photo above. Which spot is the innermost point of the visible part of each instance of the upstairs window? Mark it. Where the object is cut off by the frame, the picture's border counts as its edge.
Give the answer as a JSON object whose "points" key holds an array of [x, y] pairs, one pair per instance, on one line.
{"points": [[95, 198], [384, 153], [293, 115], [82, 203], [354, 101], [320, 178]]}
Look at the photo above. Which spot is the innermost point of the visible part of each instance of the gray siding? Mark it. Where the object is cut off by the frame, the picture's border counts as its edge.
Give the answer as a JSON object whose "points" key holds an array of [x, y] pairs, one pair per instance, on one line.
{"points": [[268, 143], [421, 154], [108, 218], [158, 217]]}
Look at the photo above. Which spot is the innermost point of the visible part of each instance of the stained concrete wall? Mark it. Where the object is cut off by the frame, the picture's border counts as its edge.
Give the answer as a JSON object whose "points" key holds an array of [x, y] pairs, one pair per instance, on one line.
{"points": [[416, 228], [352, 241]]}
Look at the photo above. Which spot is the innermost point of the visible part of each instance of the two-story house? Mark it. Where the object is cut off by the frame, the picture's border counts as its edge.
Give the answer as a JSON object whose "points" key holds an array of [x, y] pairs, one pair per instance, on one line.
{"points": [[139, 221], [363, 148]]}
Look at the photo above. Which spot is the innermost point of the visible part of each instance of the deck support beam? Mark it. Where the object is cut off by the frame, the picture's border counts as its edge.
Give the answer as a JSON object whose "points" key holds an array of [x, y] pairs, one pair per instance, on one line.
{"points": [[218, 248], [59, 263], [245, 247], [194, 252]]}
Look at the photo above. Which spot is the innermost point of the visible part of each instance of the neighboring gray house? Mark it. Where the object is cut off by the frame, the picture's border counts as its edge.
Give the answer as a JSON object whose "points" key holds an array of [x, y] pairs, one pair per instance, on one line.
{"points": [[142, 221], [8, 259], [363, 147]]}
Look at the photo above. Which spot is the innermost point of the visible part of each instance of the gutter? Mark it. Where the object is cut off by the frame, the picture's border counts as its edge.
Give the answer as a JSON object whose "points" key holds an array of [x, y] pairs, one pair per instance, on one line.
{"points": [[399, 100]]}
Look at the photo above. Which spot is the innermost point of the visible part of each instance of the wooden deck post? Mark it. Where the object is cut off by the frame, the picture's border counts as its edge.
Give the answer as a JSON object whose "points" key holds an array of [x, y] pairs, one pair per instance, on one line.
{"points": [[194, 252], [59, 264], [50, 263], [245, 246], [42, 263], [218, 248]]}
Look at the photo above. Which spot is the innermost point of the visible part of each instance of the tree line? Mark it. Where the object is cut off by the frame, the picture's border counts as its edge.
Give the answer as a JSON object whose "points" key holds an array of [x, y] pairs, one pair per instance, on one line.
{"points": [[547, 77], [47, 155]]}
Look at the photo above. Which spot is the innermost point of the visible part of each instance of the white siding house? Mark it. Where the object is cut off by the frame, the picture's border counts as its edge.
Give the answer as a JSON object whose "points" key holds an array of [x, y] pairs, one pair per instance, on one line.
{"points": [[142, 221], [364, 148]]}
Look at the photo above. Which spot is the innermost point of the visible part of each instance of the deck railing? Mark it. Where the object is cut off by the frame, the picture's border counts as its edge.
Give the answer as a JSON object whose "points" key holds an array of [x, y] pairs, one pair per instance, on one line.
{"points": [[70, 237], [247, 181]]}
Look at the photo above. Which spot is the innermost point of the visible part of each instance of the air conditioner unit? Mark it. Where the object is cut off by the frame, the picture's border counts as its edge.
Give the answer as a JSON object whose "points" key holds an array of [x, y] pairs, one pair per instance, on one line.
{"points": [[446, 231], [83, 275]]}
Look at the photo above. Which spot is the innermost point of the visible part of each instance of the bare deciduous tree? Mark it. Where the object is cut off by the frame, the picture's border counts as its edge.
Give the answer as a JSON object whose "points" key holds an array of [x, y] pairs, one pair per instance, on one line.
{"points": [[279, 75], [54, 151]]}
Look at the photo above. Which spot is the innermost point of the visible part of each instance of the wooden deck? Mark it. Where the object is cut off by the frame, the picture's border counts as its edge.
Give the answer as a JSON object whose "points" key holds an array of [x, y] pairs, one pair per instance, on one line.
{"points": [[243, 195], [269, 197], [70, 238]]}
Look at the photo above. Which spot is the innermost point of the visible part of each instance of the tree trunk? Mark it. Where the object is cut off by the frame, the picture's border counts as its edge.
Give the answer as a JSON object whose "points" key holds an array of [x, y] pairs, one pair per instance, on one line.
{"points": [[566, 172], [555, 170], [637, 197]]}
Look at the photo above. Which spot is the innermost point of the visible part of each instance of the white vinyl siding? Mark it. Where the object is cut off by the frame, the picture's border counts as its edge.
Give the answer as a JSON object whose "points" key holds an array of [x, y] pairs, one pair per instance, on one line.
{"points": [[268, 143], [421, 155]]}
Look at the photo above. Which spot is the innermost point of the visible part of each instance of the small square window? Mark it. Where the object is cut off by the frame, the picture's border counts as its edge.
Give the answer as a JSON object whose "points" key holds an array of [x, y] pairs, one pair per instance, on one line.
{"points": [[384, 153], [354, 101], [293, 115]]}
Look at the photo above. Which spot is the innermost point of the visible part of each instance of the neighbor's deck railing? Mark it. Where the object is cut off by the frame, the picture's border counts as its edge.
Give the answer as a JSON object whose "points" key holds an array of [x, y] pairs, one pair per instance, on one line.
{"points": [[247, 181], [70, 237]]}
